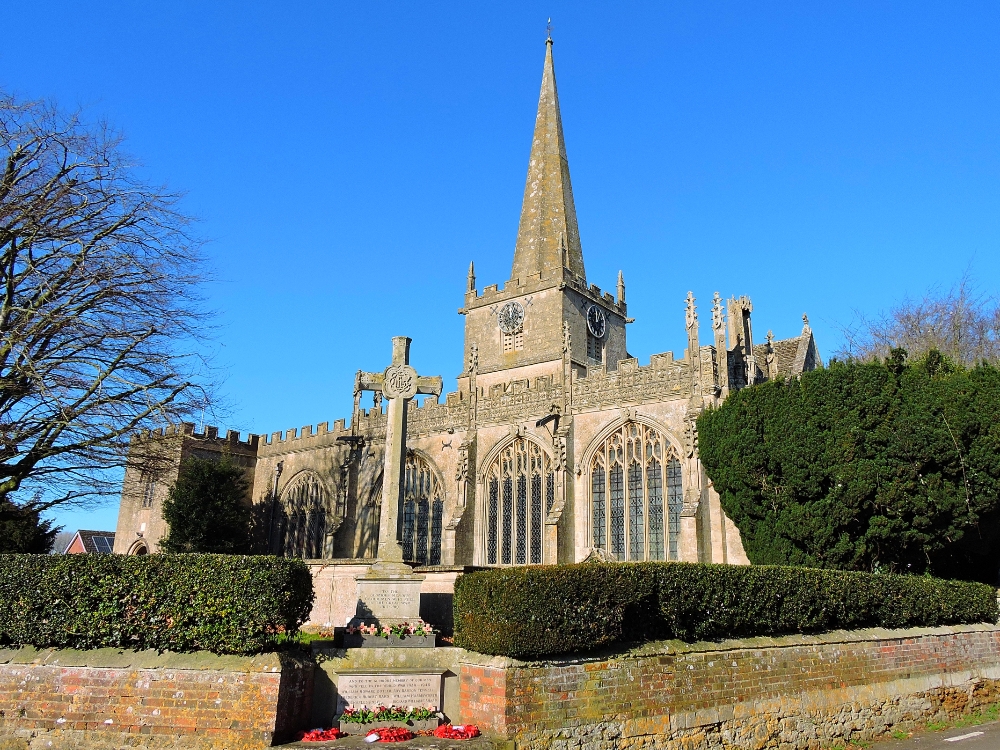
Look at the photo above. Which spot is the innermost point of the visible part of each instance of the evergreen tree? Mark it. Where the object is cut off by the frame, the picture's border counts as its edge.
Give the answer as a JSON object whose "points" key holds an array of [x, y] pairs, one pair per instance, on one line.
{"points": [[889, 466], [23, 530], [207, 509]]}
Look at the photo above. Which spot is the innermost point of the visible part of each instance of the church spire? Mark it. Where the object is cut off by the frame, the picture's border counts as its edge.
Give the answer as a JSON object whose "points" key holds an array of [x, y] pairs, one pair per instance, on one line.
{"points": [[548, 238]]}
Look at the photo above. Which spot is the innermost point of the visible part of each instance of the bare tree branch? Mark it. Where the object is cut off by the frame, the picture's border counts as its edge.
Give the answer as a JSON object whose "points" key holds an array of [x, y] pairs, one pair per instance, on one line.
{"points": [[962, 323], [101, 320]]}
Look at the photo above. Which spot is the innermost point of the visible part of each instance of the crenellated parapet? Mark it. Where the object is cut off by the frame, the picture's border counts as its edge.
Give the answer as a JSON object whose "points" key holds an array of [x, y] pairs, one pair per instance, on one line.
{"points": [[517, 400], [564, 278], [663, 378], [302, 438], [432, 416], [208, 433]]}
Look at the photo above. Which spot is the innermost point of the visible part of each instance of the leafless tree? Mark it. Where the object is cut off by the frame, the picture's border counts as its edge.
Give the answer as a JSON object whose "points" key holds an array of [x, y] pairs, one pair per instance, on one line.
{"points": [[100, 313], [963, 323]]}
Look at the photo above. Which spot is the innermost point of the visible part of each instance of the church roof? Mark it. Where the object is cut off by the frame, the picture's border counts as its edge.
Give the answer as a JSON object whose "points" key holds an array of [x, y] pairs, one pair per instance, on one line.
{"points": [[548, 238], [792, 356]]}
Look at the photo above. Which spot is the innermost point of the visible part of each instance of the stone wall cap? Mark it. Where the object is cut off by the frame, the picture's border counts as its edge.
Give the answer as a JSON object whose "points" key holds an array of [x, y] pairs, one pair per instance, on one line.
{"points": [[393, 670], [115, 658], [366, 561], [676, 647]]}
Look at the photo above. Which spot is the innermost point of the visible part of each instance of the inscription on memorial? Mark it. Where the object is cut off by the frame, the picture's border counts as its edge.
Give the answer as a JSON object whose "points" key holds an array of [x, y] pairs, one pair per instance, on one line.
{"points": [[389, 690], [388, 600]]}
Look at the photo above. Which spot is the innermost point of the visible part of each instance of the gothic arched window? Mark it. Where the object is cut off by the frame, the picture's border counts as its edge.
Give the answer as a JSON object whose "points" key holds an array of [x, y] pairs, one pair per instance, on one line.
{"points": [[628, 476], [423, 513], [301, 528], [520, 490]]}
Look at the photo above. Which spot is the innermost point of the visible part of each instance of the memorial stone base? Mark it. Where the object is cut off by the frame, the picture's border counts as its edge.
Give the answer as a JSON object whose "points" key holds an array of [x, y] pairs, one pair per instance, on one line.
{"points": [[388, 594], [349, 727], [361, 640]]}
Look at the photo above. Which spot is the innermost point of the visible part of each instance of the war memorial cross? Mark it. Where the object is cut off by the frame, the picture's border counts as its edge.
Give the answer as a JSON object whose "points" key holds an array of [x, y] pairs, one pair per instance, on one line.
{"points": [[398, 383]]}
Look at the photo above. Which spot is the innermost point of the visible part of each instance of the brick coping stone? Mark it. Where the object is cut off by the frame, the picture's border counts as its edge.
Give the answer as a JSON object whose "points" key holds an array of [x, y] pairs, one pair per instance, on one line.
{"points": [[794, 692], [116, 658], [676, 647]]}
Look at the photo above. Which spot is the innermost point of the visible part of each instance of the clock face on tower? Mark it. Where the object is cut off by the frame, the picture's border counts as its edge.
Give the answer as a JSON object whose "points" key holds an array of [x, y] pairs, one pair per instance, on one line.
{"points": [[596, 321], [510, 317]]}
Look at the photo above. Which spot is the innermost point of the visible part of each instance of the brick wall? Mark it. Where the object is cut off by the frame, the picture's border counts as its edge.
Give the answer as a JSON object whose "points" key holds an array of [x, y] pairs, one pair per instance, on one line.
{"points": [[792, 692], [108, 698]]}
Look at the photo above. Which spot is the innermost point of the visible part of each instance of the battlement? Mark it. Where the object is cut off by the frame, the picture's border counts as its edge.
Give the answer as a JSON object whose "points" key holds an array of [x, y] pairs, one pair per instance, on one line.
{"points": [[535, 282], [513, 288], [595, 293], [210, 432], [663, 378], [518, 399], [433, 415], [304, 433]]}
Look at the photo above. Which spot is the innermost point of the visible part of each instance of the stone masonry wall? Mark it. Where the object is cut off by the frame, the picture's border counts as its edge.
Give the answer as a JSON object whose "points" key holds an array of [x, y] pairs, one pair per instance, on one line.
{"points": [[107, 698], [791, 693]]}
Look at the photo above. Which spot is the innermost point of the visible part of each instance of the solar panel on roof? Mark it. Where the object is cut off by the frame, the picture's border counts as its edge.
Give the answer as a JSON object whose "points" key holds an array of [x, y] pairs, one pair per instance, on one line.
{"points": [[103, 544]]}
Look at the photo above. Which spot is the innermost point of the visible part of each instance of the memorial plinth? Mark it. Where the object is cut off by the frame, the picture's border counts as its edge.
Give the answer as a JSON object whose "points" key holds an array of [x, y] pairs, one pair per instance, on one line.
{"points": [[389, 594]]}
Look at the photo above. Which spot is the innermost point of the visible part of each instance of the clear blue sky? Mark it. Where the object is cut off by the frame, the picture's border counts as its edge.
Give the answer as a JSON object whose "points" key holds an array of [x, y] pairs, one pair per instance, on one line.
{"points": [[348, 160]]}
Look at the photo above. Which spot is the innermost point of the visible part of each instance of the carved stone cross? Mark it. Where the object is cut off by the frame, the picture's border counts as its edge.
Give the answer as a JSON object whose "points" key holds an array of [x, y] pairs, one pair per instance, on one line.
{"points": [[398, 383]]}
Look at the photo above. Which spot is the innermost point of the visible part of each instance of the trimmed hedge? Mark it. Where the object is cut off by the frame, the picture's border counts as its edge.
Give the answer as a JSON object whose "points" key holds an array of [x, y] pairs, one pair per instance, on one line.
{"points": [[535, 611], [222, 603]]}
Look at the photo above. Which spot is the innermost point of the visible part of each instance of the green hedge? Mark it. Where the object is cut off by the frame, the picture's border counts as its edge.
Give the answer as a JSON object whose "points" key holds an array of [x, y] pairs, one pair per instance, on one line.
{"points": [[223, 603], [529, 612]]}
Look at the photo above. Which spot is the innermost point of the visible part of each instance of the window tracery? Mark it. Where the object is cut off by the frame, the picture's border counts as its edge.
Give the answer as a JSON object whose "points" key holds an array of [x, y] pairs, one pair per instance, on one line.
{"points": [[423, 512], [301, 528], [515, 483], [148, 492], [628, 514]]}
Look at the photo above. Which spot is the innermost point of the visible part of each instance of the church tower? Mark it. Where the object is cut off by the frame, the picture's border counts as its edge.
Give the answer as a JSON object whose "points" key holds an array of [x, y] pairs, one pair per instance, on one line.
{"points": [[522, 329]]}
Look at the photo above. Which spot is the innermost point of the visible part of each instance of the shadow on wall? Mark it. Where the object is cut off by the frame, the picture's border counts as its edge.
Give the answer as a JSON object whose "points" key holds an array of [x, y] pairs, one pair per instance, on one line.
{"points": [[437, 610]]}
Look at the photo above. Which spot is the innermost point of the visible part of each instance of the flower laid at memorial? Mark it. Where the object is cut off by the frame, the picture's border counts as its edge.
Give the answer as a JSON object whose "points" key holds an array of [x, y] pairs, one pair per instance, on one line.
{"points": [[457, 732], [390, 734], [321, 735], [400, 630], [364, 715], [363, 720]]}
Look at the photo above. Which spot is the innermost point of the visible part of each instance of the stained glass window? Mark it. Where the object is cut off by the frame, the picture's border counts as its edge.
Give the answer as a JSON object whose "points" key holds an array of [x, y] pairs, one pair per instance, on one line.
{"points": [[536, 519], [300, 529], [492, 525], [675, 502], [522, 519], [617, 512], [423, 512], [508, 520], [627, 512], [148, 493], [437, 521], [636, 513], [598, 480], [654, 490], [409, 522], [514, 514]]}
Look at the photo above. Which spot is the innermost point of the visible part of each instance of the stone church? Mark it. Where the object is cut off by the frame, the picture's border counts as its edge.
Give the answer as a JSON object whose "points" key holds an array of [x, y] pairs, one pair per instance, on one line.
{"points": [[556, 447]]}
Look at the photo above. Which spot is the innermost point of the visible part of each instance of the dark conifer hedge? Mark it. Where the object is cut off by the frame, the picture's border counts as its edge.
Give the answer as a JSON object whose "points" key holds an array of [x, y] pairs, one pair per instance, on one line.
{"points": [[208, 509], [222, 603], [534, 611], [889, 466]]}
